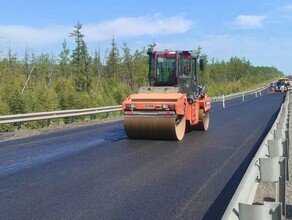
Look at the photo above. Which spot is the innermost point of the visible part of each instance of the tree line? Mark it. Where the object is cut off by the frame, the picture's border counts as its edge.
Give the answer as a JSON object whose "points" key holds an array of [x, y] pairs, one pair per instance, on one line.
{"points": [[74, 79]]}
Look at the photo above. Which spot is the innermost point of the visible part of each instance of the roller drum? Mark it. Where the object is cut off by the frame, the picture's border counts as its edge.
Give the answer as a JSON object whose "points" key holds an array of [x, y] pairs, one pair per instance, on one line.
{"points": [[162, 128]]}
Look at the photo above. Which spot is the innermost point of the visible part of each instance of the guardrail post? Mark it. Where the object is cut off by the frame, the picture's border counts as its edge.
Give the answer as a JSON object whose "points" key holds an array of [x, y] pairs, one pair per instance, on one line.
{"points": [[279, 148], [223, 101], [18, 125], [48, 123], [92, 117], [282, 123], [274, 170], [267, 211], [280, 134], [289, 128]]}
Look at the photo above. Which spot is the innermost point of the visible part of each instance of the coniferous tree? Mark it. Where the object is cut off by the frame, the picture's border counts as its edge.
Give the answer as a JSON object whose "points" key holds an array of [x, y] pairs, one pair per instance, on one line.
{"points": [[12, 60], [113, 60], [80, 59], [64, 59], [97, 67], [26, 62], [140, 68], [76, 53], [128, 67], [16, 102]]}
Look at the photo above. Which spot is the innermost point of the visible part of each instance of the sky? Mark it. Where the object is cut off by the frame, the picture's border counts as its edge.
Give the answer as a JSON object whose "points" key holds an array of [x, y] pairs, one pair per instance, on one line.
{"points": [[259, 31]]}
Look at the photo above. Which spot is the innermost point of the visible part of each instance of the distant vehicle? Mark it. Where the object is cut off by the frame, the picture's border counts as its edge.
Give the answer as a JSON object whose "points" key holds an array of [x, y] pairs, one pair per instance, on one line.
{"points": [[282, 85]]}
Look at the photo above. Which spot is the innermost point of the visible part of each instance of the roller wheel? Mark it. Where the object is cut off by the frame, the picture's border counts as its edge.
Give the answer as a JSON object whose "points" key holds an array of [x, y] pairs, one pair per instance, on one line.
{"points": [[204, 118], [180, 128]]}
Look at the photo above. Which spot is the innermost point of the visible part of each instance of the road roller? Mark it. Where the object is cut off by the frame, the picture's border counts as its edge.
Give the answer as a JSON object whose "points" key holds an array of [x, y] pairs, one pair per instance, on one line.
{"points": [[173, 103]]}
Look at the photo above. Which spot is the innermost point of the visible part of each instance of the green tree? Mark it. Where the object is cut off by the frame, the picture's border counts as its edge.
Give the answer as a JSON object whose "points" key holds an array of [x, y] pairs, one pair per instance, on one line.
{"points": [[76, 53], [128, 67], [12, 60], [44, 67], [64, 59], [64, 63], [113, 60], [80, 59], [97, 67], [4, 108], [16, 103], [140, 69]]}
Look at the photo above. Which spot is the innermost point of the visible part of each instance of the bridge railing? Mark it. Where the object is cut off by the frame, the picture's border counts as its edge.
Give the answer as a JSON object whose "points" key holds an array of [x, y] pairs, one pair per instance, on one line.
{"points": [[269, 165]]}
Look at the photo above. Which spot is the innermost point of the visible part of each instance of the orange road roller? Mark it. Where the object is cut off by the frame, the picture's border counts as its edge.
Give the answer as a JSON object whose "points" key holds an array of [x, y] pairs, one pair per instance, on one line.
{"points": [[172, 103]]}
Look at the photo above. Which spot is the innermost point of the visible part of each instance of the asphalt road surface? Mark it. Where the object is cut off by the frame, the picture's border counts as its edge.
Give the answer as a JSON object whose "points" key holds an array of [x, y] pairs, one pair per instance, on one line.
{"points": [[95, 172]]}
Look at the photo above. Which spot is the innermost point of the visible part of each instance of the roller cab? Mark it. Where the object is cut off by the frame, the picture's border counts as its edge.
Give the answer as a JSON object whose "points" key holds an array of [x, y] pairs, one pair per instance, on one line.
{"points": [[171, 102]]}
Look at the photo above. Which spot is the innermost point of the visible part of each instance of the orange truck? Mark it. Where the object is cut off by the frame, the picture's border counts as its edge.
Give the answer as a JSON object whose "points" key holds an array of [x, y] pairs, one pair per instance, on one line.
{"points": [[172, 103]]}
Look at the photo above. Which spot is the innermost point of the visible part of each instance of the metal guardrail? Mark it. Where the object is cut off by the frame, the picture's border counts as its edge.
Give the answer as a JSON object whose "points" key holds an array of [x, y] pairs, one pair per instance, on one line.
{"points": [[256, 92], [57, 114], [91, 111], [268, 165]]}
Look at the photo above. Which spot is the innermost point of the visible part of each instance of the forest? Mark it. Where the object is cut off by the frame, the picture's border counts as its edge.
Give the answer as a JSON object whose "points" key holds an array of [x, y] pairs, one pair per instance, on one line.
{"points": [[74, 79]]}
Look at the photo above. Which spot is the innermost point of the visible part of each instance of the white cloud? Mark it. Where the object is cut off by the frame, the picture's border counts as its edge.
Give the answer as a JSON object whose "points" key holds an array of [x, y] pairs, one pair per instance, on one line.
{"points": [[24, 35], [153, 25], [136, 26], [288, 7], [249, 21]]}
